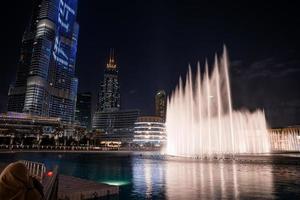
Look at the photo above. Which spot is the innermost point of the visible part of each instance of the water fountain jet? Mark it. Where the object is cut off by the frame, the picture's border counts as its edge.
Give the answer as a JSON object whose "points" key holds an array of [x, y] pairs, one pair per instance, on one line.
{"points": [[200, 120]]}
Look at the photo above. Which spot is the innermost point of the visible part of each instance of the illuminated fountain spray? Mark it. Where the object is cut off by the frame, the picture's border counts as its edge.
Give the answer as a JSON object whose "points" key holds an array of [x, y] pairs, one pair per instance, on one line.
{"points": [[201, 122], [285, 139]]}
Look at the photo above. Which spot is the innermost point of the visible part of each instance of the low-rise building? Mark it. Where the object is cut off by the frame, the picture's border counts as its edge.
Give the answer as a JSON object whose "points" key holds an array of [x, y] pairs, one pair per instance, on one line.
{"points": [[13, 122], [149, 131], [115, 126], [115, 121]]}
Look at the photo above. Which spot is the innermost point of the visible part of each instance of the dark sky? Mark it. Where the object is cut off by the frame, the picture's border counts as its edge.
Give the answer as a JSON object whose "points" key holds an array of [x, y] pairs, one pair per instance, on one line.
{"points": [[155, 41]]}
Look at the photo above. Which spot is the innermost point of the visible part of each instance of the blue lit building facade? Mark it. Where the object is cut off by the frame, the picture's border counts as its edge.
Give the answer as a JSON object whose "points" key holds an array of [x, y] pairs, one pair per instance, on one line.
{"points": [[49, 86], [17, 91]]}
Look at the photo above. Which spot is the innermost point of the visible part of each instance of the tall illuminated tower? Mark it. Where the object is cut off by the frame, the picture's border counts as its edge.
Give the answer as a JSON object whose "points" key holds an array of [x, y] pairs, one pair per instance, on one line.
{"points": [[161, 104], [109, 118], [17, 91], [109, 95], [47, 62]]}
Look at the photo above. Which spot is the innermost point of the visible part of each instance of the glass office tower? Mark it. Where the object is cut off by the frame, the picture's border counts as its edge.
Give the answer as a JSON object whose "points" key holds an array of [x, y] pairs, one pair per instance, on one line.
{"points": [[83, 109], [47, 62], [161, 104]]}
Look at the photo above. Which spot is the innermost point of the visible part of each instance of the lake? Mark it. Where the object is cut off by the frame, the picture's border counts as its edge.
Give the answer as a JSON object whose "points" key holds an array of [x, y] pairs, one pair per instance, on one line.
{"points": [[144, 178]]}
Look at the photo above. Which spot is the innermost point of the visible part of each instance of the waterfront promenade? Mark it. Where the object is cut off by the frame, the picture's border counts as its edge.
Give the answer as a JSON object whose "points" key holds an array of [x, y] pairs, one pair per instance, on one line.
{"points": [[35, 148]]}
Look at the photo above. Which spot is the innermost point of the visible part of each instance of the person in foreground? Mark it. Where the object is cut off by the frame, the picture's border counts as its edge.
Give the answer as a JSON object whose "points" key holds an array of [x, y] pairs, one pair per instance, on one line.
{"points": [[16, 184]]}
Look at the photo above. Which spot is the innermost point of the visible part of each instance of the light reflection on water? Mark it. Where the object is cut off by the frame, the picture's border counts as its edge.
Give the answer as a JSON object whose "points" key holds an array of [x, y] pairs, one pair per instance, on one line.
{"points": [[148, 176], [158, 179], [140, 178], [194, 180], [218, 181]]}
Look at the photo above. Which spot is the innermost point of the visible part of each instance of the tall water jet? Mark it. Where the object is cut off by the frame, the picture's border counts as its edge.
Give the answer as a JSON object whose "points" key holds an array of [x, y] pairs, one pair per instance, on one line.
{"points": [[200, 120]]}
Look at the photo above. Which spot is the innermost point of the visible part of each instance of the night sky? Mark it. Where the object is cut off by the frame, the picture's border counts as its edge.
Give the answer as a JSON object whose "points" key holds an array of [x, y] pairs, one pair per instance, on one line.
{"points": [[156, 40]]}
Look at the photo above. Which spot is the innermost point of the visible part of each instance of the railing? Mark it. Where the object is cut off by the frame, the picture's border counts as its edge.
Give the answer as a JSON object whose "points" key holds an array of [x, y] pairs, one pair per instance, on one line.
{"points": [[51, 185], [49, 182], [36, 170]]}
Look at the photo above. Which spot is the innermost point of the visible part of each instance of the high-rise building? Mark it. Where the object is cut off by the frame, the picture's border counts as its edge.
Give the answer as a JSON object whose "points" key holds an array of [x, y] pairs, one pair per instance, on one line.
{"points": [[83, 109], [161, 104], [109, 96], [46, 83], [109, 118], [17, 91]]}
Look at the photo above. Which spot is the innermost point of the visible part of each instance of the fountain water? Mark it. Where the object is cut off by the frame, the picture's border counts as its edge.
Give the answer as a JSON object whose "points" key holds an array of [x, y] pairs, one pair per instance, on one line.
{"points": [[201, 122], [285, 139]]}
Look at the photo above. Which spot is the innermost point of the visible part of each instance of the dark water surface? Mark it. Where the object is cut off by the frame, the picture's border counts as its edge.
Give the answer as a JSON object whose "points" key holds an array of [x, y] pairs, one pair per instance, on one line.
{"points": [[141, 178]]}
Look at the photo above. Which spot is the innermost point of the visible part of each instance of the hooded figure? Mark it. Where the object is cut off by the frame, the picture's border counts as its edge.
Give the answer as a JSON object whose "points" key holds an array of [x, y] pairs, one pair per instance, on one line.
{"points": [[16, 184]]}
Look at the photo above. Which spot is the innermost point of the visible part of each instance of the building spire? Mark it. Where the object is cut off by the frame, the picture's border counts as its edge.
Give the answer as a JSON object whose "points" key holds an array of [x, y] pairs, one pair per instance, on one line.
{"points": [[111, 61]]}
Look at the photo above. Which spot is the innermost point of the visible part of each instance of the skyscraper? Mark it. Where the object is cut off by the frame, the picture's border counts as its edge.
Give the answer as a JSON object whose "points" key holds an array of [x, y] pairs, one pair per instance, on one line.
{"points": [[109, 95], [46, 83], [17, 91], [83, 109], [161, 104], [109, 118]]}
